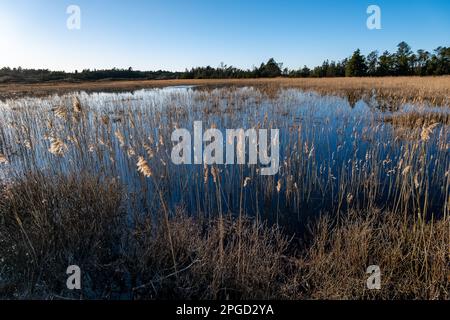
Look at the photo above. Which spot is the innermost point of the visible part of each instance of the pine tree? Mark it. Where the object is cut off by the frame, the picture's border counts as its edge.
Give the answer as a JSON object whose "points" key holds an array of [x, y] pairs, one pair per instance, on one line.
{"points": [[356, 66]]}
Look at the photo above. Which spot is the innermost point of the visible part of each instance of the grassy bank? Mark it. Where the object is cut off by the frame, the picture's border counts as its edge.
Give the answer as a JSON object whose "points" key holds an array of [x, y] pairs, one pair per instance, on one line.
{"points": [[435, 89], [50, 222]]}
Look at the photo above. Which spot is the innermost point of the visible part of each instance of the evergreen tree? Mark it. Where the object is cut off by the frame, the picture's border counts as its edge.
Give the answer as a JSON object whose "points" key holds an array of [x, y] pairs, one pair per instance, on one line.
{"points": [[443, 60], [271, 69], [372, 63], [423, 58], [386, 64], [356, 66], [403, 59]]}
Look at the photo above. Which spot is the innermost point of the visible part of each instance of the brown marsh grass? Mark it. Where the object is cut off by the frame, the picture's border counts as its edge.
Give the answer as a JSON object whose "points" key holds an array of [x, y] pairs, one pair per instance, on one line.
{"points": [[87, 179], [55, 227], [391, 89]]}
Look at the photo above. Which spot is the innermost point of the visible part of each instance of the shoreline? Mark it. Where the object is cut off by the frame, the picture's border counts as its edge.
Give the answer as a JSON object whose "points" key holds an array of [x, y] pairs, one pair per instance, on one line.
{"points": [[438, 86]]}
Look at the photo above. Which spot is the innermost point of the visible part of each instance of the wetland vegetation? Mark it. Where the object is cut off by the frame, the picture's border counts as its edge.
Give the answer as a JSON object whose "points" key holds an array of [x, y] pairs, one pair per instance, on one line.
{"points": [[86, 178]]}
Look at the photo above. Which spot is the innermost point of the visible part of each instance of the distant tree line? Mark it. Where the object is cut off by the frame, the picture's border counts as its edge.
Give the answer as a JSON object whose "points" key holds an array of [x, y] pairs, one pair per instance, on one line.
{"points": [[270, 69], [43, 75], [403, 62]]}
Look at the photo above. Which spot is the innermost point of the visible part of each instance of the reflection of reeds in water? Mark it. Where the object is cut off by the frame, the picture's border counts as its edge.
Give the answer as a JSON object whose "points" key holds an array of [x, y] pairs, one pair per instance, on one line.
{"points": [[333, 161]]}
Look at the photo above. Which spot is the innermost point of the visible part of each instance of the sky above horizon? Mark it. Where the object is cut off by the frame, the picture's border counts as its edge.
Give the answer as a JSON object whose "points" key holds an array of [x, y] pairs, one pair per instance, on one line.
{"points": [[175, 34]]}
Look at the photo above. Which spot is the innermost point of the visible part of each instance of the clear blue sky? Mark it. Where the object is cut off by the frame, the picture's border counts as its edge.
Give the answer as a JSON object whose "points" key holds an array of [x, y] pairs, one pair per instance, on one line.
{"points": [[179, 34]]}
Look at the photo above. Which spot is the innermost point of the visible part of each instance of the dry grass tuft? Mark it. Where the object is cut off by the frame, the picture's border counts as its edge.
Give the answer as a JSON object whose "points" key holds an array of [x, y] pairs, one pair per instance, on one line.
{"points": [[143, 167], [3, 159], [249, 268], [413, 258], [50, 222]]}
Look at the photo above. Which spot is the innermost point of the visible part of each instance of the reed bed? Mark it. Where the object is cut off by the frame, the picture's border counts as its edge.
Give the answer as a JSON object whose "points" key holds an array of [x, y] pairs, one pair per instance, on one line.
{"points": [[391, 89], [96, 168]]}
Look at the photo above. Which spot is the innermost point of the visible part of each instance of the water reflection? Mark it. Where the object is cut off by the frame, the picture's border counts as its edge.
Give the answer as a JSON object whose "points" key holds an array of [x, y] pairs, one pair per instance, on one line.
{"points": [[336, 151]]}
